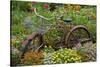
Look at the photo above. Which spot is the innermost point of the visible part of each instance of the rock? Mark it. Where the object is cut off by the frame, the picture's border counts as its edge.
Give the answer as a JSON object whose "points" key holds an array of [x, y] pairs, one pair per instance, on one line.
{"points": [[27, 22], [14, 50]]}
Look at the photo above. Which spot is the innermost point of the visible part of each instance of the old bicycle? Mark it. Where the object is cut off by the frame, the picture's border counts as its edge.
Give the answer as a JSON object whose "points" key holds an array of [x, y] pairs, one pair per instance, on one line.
{"points": [[73, 36]]}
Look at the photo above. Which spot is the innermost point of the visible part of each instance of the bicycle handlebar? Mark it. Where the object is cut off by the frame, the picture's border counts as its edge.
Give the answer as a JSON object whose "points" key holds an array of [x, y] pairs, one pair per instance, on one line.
{"points": [[41, 15]]}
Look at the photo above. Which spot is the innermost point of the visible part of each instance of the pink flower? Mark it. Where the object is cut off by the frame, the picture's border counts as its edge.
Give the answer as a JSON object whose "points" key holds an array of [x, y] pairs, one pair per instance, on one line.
{"points": [[34, 2], [46, 6]]}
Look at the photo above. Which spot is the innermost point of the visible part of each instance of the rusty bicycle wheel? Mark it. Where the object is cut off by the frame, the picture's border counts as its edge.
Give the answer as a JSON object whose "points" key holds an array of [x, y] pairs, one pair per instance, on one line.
{"points": [[77, 36], [33, 42]]}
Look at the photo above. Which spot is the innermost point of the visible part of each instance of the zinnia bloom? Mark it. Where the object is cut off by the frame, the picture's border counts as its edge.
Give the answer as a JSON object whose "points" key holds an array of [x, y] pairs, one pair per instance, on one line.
{"points": [[46, 6], [34, 2]]}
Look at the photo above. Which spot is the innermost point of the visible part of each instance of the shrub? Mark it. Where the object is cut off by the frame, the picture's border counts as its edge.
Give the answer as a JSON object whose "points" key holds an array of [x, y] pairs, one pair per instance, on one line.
{"points": [[48, 55], [65, 56], [32, 58], [15, 56], [88, 53], [18, 27], [16, 42], [48, 58], [92, 29], [15, 59], [48, 49], [52, 37]]}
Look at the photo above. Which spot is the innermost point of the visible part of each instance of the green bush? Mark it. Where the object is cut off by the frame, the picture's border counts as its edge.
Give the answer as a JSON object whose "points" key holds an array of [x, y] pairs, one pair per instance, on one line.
{"points": [[52, 37], [17, 41], [65, 56], [48, 49], [48, 55], [92, 29], [88, 53], [15, 59], [21, 5], [47, 58], [15, 56]]}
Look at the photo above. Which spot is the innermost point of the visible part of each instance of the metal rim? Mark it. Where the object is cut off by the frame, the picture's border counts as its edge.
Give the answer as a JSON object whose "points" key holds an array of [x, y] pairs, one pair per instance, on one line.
{"points": [[72, 40]]}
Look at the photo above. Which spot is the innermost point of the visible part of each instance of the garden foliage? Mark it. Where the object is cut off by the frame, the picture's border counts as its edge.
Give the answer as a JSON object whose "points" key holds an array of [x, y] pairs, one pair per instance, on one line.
{"points": [[24, 22]]}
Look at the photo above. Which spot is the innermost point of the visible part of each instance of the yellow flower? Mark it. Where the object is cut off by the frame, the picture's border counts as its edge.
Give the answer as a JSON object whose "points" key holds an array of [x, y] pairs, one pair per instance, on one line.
{"points": [[45, 46]]}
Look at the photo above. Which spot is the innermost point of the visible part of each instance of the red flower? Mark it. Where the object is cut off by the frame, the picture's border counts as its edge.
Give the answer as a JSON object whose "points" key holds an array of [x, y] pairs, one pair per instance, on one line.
{"points": [[34, 2], [46, 6]]}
